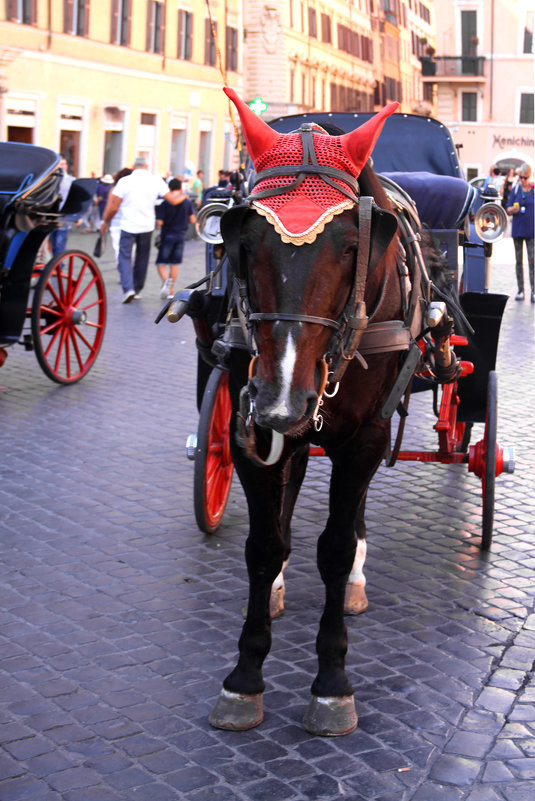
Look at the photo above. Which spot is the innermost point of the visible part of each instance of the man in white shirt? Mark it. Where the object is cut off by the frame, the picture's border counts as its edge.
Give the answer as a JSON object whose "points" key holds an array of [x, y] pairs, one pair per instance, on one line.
{"points": [[136, 194]]}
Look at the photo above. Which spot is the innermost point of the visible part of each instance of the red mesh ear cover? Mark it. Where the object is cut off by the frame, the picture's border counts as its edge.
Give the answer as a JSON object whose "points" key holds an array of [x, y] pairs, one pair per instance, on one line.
{"points": [[305, 210]]}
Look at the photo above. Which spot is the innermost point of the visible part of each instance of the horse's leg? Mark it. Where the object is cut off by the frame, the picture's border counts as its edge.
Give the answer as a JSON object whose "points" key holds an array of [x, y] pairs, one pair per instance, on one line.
{"points": [[291, 491], [239, 705], [332, 709], [355, 597]]}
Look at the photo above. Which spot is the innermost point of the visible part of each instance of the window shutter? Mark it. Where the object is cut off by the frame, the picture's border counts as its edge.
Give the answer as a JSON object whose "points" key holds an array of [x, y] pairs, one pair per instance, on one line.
{"points": [[12, 10], [128, 34], [85, 21], [189, 36], [161, 38], [150, 17], [114, 28], [68, 16], [207, 41]]}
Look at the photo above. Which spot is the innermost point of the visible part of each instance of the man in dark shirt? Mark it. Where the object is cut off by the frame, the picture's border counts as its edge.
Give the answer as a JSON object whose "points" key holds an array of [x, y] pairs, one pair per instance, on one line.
{"points": [[173, 218]]}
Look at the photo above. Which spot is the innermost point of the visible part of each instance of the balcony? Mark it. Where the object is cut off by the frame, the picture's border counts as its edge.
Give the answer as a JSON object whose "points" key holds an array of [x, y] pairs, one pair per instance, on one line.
{"points": [[453, 68]]}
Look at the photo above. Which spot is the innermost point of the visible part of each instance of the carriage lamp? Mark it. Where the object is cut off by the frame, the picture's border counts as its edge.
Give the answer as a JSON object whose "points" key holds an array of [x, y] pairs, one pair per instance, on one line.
{"points": [[209, 221], [490, 222]]}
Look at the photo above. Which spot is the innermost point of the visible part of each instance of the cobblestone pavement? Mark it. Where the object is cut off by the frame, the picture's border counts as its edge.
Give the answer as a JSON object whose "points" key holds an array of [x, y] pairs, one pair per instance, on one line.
{"points": [[119, 619]]}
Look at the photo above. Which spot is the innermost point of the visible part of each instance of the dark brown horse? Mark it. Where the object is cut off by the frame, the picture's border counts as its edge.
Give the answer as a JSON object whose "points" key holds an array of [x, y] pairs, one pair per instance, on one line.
{"points": [[330, 316]]}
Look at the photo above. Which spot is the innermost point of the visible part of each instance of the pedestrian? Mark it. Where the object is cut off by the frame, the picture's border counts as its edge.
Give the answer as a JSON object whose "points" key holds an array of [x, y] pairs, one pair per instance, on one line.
{"points": [[494, 178], [58, 237], [103, 190], [197, 188], [221, 190], [173, 218], [507, 186], [136, 194], [115, 224], [521, 210]]}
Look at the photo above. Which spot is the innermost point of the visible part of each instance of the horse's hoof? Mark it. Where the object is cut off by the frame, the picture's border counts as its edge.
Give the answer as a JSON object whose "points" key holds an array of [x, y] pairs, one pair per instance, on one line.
{"points": [[355, 600], [276, 603], [236, 712], [331, 717]]}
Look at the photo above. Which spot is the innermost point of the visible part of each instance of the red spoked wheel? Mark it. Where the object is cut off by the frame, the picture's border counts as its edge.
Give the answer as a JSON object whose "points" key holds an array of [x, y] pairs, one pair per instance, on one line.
{"points": [[68, 316], [483, 461], [213, 463]]}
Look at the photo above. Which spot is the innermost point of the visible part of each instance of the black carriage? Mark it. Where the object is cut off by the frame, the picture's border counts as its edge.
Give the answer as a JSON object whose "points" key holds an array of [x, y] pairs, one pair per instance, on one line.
{"points": [[418, 165], [57, 306]]}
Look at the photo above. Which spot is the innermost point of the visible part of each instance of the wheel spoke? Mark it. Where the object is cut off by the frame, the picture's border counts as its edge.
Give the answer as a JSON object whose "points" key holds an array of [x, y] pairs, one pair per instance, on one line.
{"points": [[87, 343], [74, 343]]}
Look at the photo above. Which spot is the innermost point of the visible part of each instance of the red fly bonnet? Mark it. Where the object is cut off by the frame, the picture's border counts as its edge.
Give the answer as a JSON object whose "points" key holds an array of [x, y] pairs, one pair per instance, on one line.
{"points": [[305, 178]]}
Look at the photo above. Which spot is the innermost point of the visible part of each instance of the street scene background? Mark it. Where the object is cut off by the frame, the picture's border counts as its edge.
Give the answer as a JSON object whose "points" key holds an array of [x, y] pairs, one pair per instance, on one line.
{"points": [[119, 619]]}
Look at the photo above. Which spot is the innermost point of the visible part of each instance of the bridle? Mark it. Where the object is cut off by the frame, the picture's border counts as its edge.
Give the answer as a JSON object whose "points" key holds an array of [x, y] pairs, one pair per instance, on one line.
{"points": [[351, 324]]}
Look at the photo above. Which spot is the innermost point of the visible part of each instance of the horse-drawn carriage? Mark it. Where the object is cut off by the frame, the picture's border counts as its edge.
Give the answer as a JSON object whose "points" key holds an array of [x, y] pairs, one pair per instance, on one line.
{"points": [[331, 293], [57, 308]]}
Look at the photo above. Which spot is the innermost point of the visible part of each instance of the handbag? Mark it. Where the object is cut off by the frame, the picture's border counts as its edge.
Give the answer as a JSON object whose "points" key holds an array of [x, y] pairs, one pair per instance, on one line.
{"points": [[97, 252]]}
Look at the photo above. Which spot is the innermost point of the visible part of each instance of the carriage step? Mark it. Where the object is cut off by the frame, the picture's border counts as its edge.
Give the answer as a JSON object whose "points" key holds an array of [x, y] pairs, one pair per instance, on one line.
{"points": [[191, 447]]}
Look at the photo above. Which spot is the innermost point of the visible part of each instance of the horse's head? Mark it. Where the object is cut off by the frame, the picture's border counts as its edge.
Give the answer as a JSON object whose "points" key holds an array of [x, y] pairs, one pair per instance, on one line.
{"points": [[294, 254]]}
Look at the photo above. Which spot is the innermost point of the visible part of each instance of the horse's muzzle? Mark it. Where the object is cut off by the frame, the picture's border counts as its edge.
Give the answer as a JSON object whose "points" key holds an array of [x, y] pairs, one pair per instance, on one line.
{"points": [[282, 412]]}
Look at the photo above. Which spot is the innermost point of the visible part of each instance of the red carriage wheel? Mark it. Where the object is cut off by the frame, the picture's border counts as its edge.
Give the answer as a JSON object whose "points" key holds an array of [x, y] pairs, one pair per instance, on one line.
{"points": [[68, 316], [489, 462], [213, 464], [483, 461]]}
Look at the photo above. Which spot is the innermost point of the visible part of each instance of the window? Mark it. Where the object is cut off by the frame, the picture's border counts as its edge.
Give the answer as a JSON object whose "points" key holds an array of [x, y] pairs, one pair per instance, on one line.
{"points": [[231, 62], [121, 19], [155, 26], [526, 109], [76, 17], [185, 35], [469, 107], [528, 33], [326, 35], [210, 55], [24, 11], [312, 25]]}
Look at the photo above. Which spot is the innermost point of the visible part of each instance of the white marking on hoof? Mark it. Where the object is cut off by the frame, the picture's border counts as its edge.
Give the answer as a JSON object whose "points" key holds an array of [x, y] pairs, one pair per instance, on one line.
{"points": [[236, 712], [331, 717]]}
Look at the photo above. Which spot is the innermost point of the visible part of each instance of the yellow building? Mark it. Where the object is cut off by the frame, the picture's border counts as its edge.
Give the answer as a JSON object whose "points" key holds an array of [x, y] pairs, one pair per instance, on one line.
{"points": [[105, 80]]}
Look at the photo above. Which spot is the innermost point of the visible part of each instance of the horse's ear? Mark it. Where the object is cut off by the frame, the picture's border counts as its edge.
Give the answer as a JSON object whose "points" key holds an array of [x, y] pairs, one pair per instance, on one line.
{"points": [[259, 137], [230, 227], [384, 227], [359, 143]]}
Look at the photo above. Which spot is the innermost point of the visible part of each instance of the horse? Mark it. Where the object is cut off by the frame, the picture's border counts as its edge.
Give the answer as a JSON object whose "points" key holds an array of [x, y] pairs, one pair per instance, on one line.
{"points": [[320, 286]]}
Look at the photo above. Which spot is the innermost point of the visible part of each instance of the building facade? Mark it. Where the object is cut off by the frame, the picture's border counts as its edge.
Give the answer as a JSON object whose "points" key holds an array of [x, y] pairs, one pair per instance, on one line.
{"points": [[483, 80], [336, 55], [103, 82]]}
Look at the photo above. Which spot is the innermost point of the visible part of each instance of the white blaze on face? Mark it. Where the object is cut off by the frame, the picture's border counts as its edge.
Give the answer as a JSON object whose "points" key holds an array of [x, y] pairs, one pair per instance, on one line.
{"points": [[281, 407], [357, 572]]}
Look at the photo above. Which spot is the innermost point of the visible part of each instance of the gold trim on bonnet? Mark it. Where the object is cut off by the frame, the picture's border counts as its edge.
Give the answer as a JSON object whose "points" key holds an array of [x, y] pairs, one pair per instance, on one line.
{"points": [[308, 236]]}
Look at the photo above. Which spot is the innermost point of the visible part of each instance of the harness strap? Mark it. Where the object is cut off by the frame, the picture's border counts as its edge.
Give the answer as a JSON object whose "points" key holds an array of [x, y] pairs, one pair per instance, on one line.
{"points": [[308, 166], [297, 318]]}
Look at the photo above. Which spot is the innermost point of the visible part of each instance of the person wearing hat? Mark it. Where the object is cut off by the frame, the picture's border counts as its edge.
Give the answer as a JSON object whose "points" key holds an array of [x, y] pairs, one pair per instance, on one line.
{"points": [[136, 194], [101, 197]]}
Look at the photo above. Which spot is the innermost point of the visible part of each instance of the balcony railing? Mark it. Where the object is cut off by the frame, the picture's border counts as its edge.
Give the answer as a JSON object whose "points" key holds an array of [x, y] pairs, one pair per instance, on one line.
{"points": [[452, 66]]}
